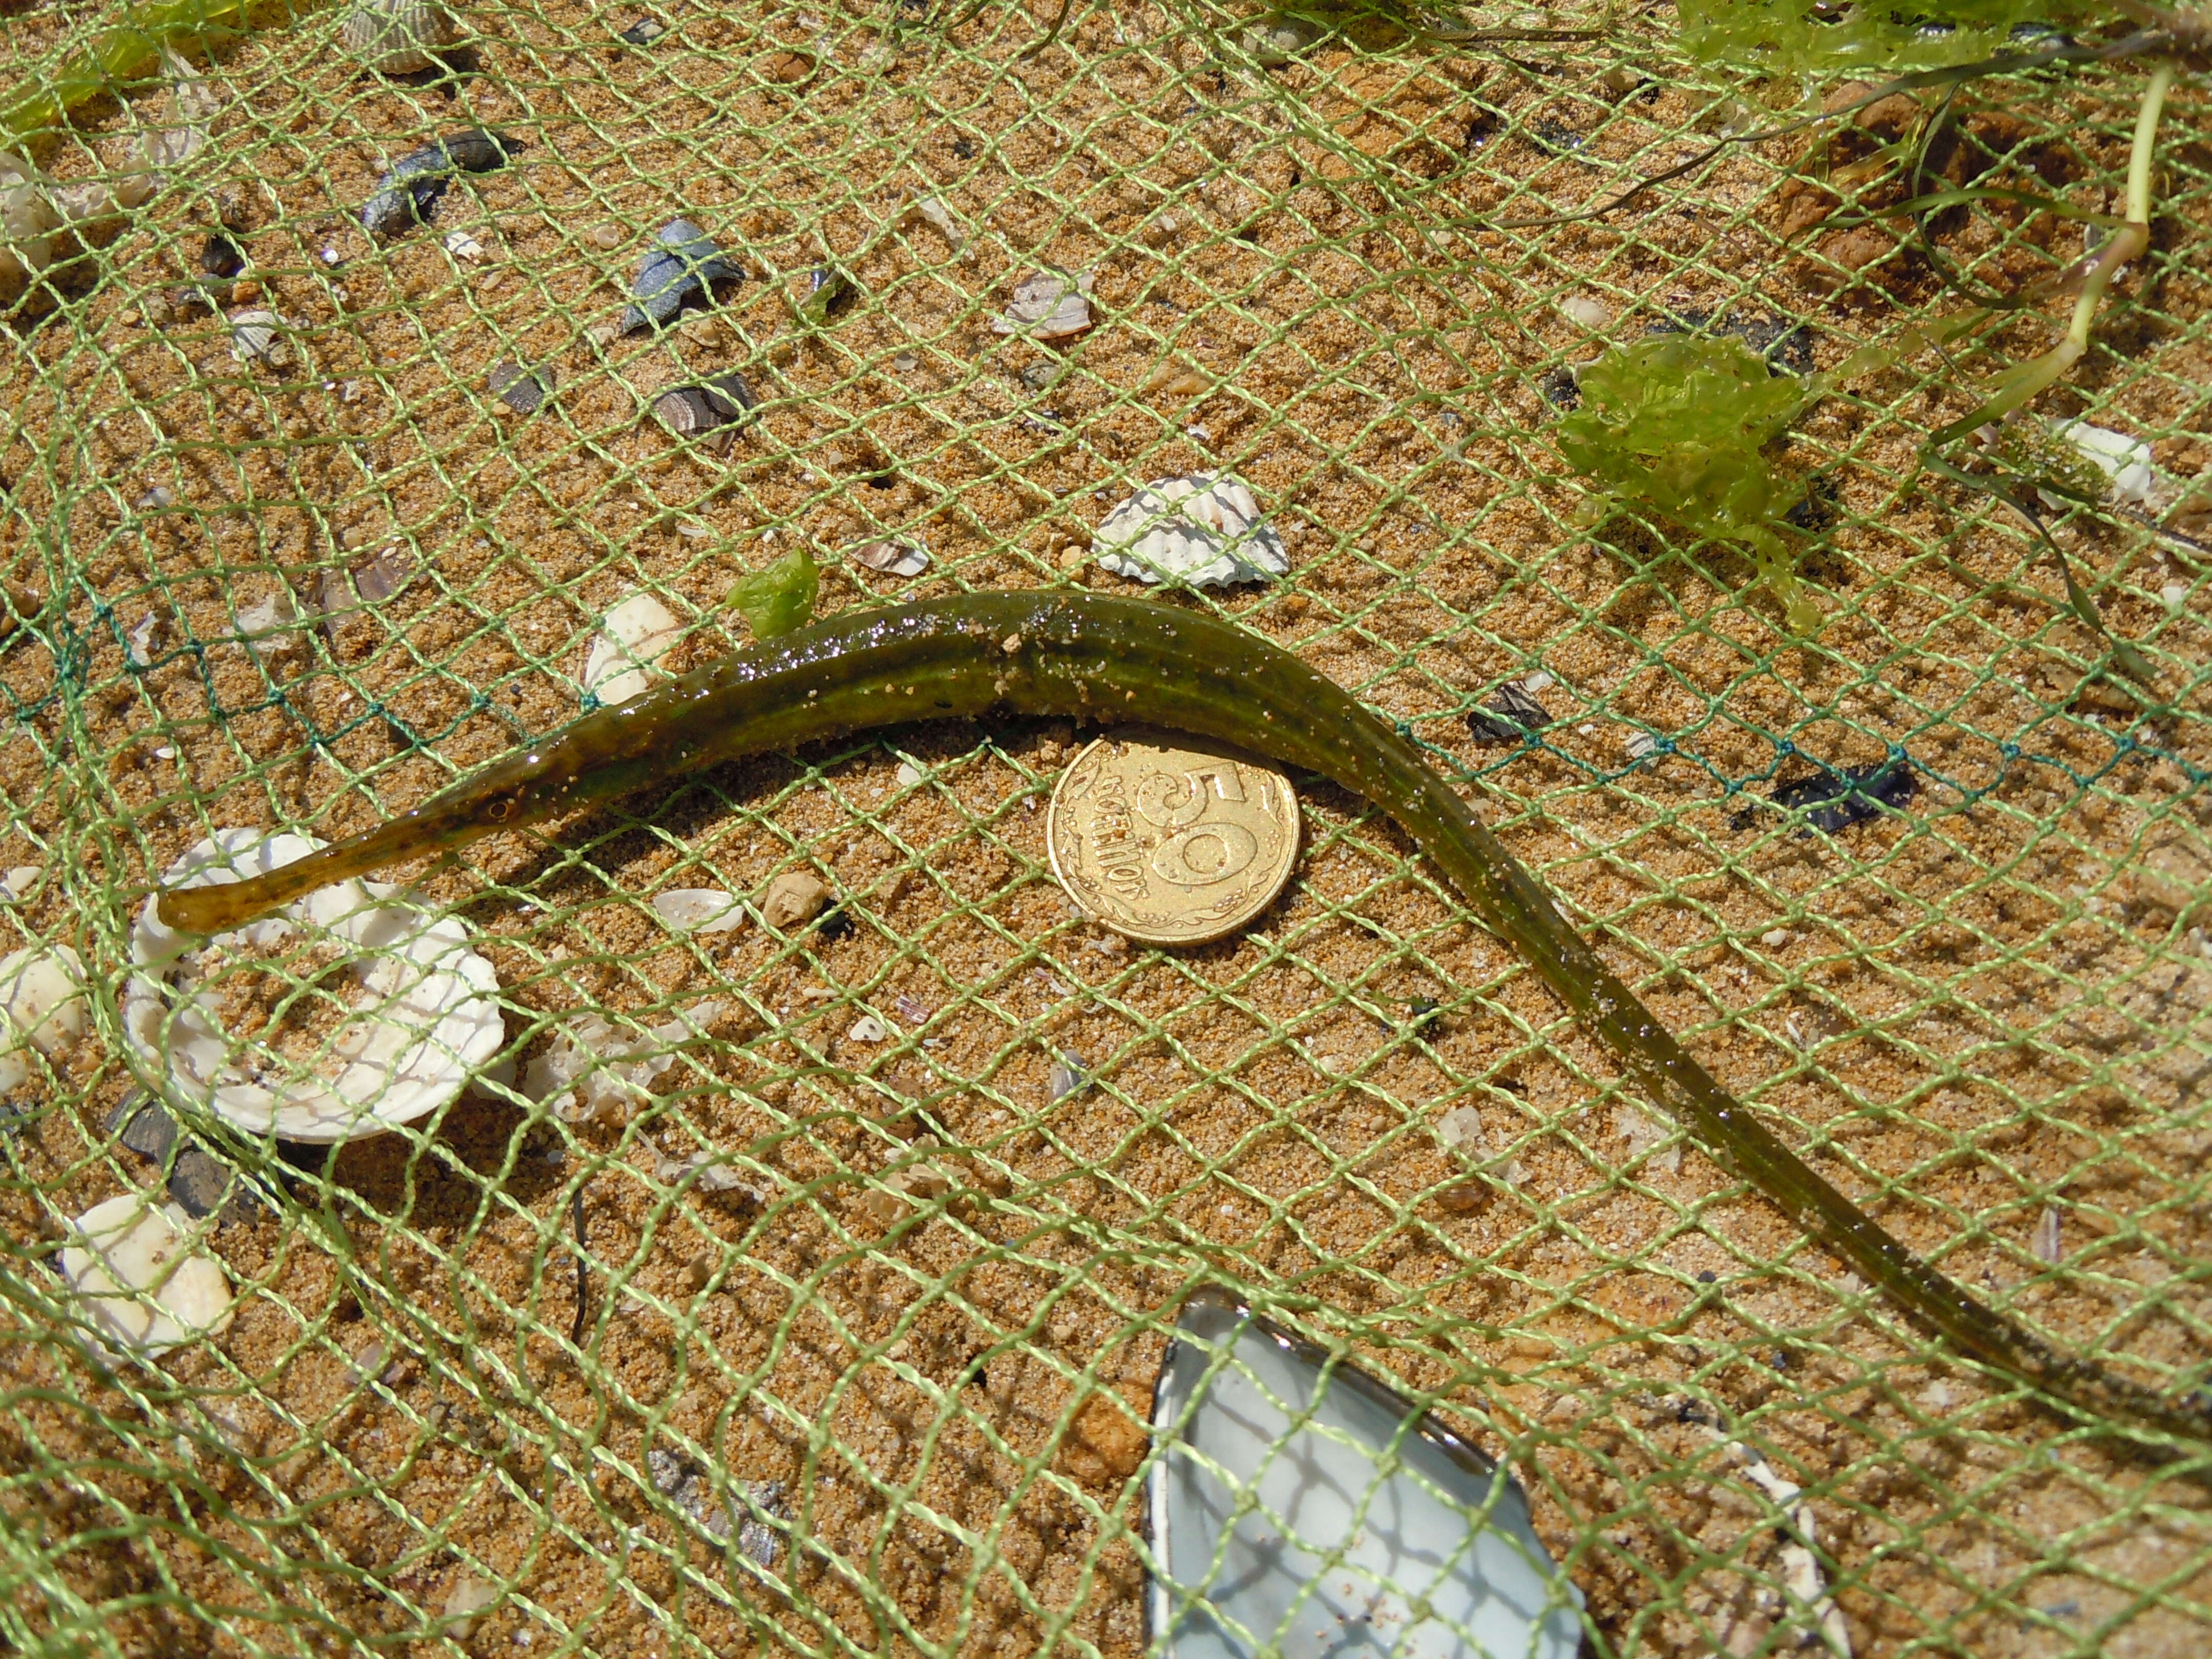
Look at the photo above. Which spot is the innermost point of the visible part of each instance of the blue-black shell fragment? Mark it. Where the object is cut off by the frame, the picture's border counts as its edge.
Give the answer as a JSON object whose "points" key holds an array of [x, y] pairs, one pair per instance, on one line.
{"points": [[682, 261], [1834, 800], [410, 190]]}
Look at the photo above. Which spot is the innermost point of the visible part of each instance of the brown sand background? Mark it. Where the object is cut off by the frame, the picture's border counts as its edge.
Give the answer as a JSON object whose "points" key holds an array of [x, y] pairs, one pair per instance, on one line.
{"points": [[1990, 1007]]}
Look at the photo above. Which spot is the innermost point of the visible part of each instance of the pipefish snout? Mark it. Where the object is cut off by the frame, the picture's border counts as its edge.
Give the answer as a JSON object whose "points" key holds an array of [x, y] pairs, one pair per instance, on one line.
{"points": [[1107, 659]]}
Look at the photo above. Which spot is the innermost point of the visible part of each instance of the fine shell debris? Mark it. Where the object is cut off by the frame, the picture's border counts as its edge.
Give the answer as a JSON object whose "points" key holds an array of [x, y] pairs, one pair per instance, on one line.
{"points": [[593, 1071], [42, 1006], [266, 627], [522, 389], [685, 410], [257, 338], [464, 246], [687, 1486], [892, 558], [141, 1279], [1204, 529], [1291, 1492], [2047, 1243], [769, 1513], [643, 33], [700, 909], [790, 899], [625, 655], [381, 1008], [1065, 1076], [1049, 305], [410, 190], [706, 1171], [27, 222], [398, 37], [469, 1599], [682, 261]]}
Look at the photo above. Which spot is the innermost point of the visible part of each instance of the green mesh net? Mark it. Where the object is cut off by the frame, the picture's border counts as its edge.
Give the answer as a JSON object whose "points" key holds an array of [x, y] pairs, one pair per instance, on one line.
{"points": [[831, 1333]]}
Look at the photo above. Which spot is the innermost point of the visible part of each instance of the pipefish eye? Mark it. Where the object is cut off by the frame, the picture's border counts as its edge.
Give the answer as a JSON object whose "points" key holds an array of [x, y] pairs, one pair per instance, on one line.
{"points": [[500, 808]]}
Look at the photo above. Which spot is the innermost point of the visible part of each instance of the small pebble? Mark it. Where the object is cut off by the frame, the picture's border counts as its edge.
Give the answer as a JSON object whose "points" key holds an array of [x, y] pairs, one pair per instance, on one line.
{"points": [[199, 1182], [792, 899], [2175, 594], [910, 774], [329, 256], [868, 1029], [159, 496], [1775, 937], [906, 363], [1581, 309]]}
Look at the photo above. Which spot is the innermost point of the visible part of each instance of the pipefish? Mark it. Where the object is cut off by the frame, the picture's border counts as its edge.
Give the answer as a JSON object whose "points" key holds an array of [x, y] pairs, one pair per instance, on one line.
{"points": [[1107, 659]]}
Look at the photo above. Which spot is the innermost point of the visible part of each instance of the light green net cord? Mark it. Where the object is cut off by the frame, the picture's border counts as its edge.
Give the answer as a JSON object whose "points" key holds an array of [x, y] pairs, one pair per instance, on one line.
{"points": [[863, 1381]]}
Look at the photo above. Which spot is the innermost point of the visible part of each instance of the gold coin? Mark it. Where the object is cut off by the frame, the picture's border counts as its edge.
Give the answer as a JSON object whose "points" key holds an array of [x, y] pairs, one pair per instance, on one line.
{"points": [[1171, 840]]}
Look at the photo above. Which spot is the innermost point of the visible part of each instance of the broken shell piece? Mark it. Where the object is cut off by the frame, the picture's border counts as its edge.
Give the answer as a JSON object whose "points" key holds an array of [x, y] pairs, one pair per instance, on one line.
{"points": [[16, 885], [522, 389], [410, 190], [2124, 461], [700, 909], [892, 558], [682, 261], [643, 33], [725, 400], [398, 37], [625, 656], [784, 69], [267, 627], [868, 1029], [27, 223], [469, 1598], [257, 338], [792, 899], [41, 1005], [1049, 305], [706, 1171], [462, 246], [1205, 529], [933, 209], [593, 1071], [1291, 1492], [373, 1010], [140, 1278]]}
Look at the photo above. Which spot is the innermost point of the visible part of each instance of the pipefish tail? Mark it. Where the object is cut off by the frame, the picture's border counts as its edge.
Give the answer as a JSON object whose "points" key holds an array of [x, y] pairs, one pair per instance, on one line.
{"points": [[1102, 659]]}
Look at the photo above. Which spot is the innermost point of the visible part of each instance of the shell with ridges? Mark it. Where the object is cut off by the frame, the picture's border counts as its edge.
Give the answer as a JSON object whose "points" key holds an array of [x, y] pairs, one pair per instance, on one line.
{"points": [[398, 37]]}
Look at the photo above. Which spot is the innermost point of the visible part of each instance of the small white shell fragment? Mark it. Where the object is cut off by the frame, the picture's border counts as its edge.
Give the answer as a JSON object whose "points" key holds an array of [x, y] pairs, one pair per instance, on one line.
{"points": [[256, 336], [1581, 309], [1775, 937], [868, 1029], [933, 209], [699, 910], [1460, 1129], [28, 221], [625, 656], [1204, 529], [1064, 1076], [2047, 1244], [469, 1597], [462, 246], [140, 1280], [398, 37], [41, 1005], [709, 1173], [2123, 460], [908, 775], [613, 1070], [15, 886], [1641, 745], [2175, 594], [264, 627], [415, 1008], [141, 641], [892, 558], [1049, 305], [1538, 682]]}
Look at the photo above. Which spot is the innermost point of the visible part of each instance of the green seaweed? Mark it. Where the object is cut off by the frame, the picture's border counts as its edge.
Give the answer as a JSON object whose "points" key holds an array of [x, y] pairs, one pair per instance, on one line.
{"points": [[780, 598], [1793, 36], [1678, 426]]}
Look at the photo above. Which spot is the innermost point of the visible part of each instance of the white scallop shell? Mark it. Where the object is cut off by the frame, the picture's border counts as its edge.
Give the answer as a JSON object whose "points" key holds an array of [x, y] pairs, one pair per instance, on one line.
{"points": [[255, 337], [699, 910], [625, 656], [1205, 529], [138, 1278], [423, 1010], [398, 37], [41, 1005]]}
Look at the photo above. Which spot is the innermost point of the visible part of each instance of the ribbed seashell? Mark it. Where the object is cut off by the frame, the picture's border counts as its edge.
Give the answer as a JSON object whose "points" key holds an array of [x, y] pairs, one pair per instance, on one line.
{"points": [[255, 337], [398, 37], [686, 410], [1205, 529], [682, 261]]}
